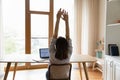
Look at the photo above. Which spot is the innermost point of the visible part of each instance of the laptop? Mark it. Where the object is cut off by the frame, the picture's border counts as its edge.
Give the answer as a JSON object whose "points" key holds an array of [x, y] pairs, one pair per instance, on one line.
{"points": [[44, 53]]}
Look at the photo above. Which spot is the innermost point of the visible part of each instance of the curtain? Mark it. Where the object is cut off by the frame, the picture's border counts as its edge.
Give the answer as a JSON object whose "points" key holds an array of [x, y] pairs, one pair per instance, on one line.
{"points": [[1, 39], [1, 30], [0, 34], [86, 26], [78, 24]]}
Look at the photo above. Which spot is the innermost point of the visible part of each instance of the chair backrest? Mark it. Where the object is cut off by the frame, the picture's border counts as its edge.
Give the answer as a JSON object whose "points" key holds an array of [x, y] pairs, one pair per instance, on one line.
{"points": [[60, 71]]}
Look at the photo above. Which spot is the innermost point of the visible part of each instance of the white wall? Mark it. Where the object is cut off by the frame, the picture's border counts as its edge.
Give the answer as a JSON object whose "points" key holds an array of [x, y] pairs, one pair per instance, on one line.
{"points": [[113, 11], [112, 29], [112, 35]]}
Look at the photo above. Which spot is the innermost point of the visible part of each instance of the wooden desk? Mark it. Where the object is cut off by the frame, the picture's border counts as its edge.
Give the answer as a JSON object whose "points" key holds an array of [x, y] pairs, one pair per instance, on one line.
{"points": [[23, 58]]}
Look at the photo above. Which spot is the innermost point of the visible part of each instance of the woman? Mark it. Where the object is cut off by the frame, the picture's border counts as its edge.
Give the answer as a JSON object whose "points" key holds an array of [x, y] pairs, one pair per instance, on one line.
{"points": [[60, 48]]}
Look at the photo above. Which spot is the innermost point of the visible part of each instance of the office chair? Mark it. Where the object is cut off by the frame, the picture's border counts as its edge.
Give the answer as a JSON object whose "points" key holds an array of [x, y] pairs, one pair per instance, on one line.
{"points": [[58, 71]]}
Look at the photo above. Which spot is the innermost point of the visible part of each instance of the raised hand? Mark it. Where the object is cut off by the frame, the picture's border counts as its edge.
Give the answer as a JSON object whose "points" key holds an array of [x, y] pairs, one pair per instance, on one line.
{"points": [[65, 16], [60, 13]]}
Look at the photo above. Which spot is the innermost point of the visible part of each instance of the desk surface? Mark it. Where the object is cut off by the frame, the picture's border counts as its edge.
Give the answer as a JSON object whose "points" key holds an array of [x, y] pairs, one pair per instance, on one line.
{"points": [[22, 58]]}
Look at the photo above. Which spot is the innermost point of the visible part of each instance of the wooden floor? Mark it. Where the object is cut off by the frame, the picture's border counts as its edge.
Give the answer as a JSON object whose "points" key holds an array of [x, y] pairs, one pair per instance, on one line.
{"points": [[39, 74]]}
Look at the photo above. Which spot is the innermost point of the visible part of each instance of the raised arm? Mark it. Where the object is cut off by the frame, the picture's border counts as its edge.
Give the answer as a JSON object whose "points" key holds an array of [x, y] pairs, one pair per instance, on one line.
{"points": [[65, 18], [67, 29], [57, 23]]}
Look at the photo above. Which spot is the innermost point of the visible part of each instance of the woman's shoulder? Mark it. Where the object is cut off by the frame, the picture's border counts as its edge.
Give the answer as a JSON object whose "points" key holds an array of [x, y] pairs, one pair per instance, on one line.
{"points": [[53, 39]]}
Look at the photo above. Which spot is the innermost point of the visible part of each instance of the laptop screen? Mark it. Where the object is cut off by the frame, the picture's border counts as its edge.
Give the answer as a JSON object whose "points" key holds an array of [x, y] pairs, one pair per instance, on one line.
{"points": [[44, 52]]}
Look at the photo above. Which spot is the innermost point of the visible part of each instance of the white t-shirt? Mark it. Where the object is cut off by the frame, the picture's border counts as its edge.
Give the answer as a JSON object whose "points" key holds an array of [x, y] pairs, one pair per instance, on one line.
{"points": [[52, 51]]}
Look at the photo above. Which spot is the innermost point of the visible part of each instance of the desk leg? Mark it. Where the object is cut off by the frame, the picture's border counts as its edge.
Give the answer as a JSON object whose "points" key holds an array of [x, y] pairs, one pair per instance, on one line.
{"points": [[7, 70], [14, 70], [85, 69], [79, 64], [93, 67]]}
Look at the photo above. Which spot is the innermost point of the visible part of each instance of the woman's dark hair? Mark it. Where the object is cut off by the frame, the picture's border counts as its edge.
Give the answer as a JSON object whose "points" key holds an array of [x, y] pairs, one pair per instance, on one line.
{"points": [[61, 48]]}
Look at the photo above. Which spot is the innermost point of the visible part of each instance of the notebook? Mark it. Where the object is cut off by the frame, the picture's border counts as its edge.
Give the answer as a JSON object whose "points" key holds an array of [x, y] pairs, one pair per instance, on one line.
{"points": [[113, 50], [44, 53], [109, 48]]}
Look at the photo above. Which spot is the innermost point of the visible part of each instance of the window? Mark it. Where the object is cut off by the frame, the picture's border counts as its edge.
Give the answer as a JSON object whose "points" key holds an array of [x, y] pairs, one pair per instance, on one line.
{"points": [[39, 5], [13, 26], [39, 32], [28, 24]]}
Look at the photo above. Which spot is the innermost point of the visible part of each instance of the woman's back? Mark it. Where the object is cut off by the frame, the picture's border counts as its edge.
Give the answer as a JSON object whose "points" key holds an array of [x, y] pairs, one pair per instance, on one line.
{"points": [[53, 59]]}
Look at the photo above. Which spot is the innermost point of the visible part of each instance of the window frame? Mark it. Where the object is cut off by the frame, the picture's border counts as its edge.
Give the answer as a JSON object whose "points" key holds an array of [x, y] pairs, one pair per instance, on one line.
{"points": [[28, 13]]}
